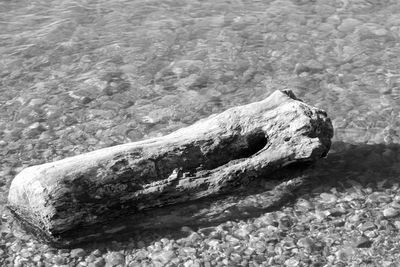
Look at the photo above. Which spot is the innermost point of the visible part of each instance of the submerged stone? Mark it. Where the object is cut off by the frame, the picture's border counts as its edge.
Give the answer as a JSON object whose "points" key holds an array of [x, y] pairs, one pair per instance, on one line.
{"points": [[348, 25]]}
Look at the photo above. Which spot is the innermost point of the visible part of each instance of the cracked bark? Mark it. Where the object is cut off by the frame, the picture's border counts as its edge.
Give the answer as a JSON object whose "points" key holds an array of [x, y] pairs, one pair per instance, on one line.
{"points": [[62, 200]]}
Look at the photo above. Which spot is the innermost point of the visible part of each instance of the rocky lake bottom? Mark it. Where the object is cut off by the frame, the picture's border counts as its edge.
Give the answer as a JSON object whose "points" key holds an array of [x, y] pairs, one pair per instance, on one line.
{"points": [[76, 76]]}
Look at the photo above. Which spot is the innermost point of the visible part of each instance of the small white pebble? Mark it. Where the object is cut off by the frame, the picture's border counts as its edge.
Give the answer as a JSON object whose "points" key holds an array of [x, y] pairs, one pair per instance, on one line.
{"points": [[390, 212], [354, 218], [291, 262], [328, 198], [330, 258]]}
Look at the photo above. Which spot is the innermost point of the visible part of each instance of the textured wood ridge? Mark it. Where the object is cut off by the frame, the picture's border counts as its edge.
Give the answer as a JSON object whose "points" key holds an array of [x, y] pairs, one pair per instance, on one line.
{"points": [[211, 157]]}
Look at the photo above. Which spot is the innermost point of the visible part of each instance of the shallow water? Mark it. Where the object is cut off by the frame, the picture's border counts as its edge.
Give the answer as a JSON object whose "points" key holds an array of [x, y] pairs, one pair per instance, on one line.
{"points": [[80, 75]]}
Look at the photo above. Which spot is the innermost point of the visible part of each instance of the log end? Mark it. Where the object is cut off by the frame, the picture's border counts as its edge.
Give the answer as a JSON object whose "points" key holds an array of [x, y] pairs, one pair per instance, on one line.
{"points": [[27, 200]]}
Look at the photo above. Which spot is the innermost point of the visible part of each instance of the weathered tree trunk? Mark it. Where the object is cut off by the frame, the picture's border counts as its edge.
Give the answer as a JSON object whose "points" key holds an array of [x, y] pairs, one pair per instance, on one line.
{"points": [[211, 157]]}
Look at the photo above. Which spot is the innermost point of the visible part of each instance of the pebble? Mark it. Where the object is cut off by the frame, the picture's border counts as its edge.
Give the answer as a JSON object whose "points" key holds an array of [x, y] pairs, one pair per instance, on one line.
{"points": [[304, 204], [285, 223], [370, 234], [305, 242], [34, 130], [292, 262], [354, 218], [328, 198], [188, 251], [311, 66], [213, 243], [48, 255], [115, 258], [348, 25], [379, 197], [37, 258], [193, 238], [339, 223], [37, 102], [207, 230], [390, 212], [25, 253], [86, 100], [320, 215], [367, 226], [97, 252], [60, 260], [333, 19], [90, 258], [99, 262], [78, 252], [338, 211], [163, 256], [397, 224], [388, 264], [371, 30], [362, 242], [242, 233], [345, 253], [194, 263], [232, 240]]}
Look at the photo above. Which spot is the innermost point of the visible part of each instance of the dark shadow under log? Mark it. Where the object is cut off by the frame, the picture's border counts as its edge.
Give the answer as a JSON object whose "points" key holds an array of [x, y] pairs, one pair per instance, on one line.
{"points": [[91, 195]]}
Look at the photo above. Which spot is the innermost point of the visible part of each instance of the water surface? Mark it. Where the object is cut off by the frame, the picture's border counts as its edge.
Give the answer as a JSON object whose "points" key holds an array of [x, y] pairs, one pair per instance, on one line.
{"points": [[80, 75]]}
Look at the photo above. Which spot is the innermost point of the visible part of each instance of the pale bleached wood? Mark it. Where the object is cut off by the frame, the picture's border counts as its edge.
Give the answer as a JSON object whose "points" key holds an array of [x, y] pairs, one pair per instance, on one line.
{"points": [[211, 157]]}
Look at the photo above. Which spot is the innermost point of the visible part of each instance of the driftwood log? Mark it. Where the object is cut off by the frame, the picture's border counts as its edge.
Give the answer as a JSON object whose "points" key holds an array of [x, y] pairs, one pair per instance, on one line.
{"points": [[214, 156]]}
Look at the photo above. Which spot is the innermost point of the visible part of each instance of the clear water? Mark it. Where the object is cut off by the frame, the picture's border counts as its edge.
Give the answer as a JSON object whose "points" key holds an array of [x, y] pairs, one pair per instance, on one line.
{"points": [[80, 75]]}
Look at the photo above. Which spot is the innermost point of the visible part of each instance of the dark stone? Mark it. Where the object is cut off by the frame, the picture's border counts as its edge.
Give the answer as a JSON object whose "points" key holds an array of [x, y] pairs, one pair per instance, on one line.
{"points": [[363, 242]]}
